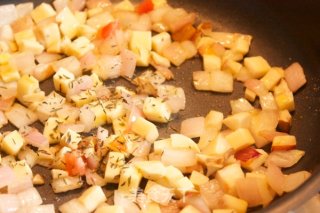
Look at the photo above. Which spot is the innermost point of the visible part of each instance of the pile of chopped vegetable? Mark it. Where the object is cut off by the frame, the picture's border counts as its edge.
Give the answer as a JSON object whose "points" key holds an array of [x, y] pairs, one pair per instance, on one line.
{"points": [[94, 134]]}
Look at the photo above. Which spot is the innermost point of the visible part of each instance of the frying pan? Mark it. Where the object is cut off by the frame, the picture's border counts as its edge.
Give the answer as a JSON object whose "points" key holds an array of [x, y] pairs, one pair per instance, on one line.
{"points": [[283, 31]]}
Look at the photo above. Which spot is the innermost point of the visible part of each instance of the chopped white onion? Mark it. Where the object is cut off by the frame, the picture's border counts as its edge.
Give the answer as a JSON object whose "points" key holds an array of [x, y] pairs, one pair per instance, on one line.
{"points": [[192, 127], [126, 202], [8, 13], [19, 185], [6, 176], [9, 203], [179, 157], [30, 197]]}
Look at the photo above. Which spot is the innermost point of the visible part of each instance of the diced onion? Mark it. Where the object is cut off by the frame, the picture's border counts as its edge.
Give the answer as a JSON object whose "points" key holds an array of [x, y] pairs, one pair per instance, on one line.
{"points": [[192, 127], [6, 176], [9, 203], [30, 197], [179, 157]]}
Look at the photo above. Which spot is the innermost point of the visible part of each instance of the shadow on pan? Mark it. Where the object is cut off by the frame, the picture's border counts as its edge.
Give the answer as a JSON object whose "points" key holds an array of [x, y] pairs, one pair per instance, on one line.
{"points": [[283, 32]]}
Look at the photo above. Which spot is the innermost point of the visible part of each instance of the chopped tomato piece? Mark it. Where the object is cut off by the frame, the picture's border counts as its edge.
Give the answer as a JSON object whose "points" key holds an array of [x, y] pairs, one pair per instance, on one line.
{"points": [[74, 164], [145, 7], [108, 30]]}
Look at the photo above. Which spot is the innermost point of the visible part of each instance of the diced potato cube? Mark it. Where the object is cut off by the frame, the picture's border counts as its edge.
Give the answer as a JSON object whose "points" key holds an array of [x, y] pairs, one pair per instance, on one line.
{"points": [[31, 46], [235, 203], [216, 81], [232, 67], [79, 47], [160, 145], [158, 60], [69, 207], [240, 138], [99, 18], [92, 198], [24, 35], [21, 116], [38, 180], [43, 11], [50, 130], [152, 170], [238, 120], [283, 142], [175, 52], [84, 97], [71, 139], [211, 62], [140, 43], [198, 178], [65, 184], [130, 179], [161, 40], [272, 77], [285, 120], [116, 161], [241, 43], [12, 143], [250, 95], [228, 176], [22, 170], [62, 79], [145, 129], [155, 109], [68, 23], [257, 66], [183, 186], [8, 73], [52, 38]]}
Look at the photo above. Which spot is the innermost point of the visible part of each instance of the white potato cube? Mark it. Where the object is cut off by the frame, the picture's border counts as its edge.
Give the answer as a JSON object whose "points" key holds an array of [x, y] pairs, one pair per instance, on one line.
{"points": [[79, 47], [42, 12], [161, 40], [198, 178], [50, 130], [12, 143], [116, 161], [130, 179], [68, 23], [92, 198], [211, 62], [52, 38], [257, 66], [62, 79], [179, 141], [22, 170], [240, 138], [145, 129], [155, 109], [228, 176], [71, 139], [140, 43]]}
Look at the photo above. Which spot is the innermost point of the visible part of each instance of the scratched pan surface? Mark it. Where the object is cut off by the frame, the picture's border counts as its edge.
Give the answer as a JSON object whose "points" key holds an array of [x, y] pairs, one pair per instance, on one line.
{"points": [[283, 32]]}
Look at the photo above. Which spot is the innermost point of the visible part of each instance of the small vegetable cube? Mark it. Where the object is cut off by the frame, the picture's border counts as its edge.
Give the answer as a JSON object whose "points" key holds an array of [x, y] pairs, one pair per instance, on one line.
{"points": [[130, 179], [179, 141], [283, 142], [116, 161], [140, 43], [228, 176], [145, 129], [79, 47], [52, 38], [272, 77], [68, 23], [12, 143], [183, 186], [43, 11], [158, 60], [235, 203], [50, 130], [198, 178], [71, 139], [155, 109], [62, 79], [92, 198], [159, 41], [257, 66], [240, 138], [211, 62], [65, 184], [22, 170]]}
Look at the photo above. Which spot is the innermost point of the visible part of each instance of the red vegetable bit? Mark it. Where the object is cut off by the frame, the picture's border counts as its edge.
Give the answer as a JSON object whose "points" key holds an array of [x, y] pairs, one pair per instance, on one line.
{"points": [[145, 7], [108, 30], [74, 164], [246, 154]]}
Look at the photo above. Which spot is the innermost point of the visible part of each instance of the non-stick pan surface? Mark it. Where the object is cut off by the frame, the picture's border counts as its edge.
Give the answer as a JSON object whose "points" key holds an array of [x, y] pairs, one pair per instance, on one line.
{"points": [[284, 32]]}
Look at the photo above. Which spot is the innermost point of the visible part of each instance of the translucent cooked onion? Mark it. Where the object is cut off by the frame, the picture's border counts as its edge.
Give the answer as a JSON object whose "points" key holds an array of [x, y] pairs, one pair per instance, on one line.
{"points": [[19, 185], [294, 180], [126, 202], [285, 159], [72, 206], [30, 197], [9, 203], [193, 127], [179, 157], [275, 178]]}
